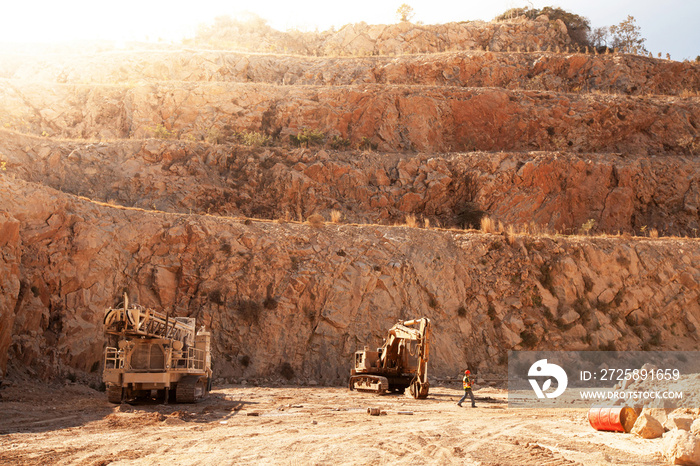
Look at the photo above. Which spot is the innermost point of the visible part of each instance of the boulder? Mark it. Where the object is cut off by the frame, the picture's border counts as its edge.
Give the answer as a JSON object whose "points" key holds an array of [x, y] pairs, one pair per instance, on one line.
{"points": [[569, 317], [606, 296], [679, 419], [695, 427], [647, 427], [681, 447], [660, 414]]}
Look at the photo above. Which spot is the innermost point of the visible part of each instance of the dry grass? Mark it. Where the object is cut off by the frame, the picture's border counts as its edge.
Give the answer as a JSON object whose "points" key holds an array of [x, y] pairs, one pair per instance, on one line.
{"points": [[488, 225], [510, 234], [411, 221], [534, 229], [336, 216]]}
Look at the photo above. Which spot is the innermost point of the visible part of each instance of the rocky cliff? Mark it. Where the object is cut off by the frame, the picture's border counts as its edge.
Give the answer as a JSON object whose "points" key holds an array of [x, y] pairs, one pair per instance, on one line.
{"points": [[309, 296], [209, 219], [391, 118], [557, 191], [536, 71], [10, 288], [384, 39]]}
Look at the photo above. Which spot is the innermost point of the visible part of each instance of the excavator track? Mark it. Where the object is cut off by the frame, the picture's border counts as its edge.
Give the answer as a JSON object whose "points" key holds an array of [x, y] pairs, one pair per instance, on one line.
{"points": [[369, 383], [190, 389]]}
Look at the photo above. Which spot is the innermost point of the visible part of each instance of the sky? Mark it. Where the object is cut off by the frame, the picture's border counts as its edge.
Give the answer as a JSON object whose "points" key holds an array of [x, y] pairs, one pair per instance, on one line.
{"points": [[669, 26]]}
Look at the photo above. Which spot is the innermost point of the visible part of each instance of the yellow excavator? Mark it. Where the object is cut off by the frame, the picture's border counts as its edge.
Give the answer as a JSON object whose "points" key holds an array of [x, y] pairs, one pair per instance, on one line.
{"points": [[402, 362]]}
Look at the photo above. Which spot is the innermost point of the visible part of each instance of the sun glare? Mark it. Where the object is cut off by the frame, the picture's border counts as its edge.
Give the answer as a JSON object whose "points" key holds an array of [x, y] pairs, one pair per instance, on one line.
{"points": [[52, 22]]}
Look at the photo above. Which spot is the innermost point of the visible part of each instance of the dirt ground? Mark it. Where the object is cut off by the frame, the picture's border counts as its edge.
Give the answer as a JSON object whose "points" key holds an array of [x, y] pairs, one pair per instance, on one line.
{"points": [[237, 424]]}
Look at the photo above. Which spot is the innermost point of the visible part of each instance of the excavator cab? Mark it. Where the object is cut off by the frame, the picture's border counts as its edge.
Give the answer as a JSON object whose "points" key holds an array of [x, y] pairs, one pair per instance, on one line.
{"points": [[366, 359]]}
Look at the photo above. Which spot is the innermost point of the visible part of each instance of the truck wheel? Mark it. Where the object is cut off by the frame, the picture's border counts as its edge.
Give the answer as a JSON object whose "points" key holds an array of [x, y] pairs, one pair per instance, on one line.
{"points": [[190, 389], [114, 394]]}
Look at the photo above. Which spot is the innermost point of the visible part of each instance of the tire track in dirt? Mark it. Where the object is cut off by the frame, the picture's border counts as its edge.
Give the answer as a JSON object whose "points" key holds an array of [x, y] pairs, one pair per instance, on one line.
{"points": [[324, 426]]}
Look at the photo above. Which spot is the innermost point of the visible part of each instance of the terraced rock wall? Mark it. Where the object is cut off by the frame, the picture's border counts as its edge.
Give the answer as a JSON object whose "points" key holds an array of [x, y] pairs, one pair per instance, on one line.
{"points": [[197, 223], [382, 39], [390, 118], [535, 71], [555, 191], [285, 295]]}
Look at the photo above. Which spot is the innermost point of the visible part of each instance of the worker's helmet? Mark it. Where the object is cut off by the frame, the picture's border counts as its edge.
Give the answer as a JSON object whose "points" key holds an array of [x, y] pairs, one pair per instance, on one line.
{"points": [[467, 372]]}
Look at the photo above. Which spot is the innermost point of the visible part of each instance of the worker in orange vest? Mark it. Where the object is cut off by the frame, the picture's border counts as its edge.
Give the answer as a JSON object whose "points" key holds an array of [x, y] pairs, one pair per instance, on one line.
{"points": [[467, 384]]}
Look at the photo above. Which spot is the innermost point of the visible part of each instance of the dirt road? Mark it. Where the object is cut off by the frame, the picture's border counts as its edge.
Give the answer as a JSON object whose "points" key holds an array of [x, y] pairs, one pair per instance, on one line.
{"points": [[73, 424]]}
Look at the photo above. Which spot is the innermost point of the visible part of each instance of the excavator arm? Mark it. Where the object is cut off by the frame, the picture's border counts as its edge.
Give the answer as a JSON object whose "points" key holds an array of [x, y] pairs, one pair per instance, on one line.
{"points": [[419, 385]]}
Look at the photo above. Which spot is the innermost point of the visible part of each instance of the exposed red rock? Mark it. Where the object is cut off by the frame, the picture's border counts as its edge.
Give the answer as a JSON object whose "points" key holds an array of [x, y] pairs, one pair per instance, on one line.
{"points": [[253, 281], [558, 191], [537, 71], [390, 117], [563, 142]]}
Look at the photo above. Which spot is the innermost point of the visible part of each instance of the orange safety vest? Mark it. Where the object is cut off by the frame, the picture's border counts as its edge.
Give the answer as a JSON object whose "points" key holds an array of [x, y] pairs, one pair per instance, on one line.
{"points": [[467, 382]]}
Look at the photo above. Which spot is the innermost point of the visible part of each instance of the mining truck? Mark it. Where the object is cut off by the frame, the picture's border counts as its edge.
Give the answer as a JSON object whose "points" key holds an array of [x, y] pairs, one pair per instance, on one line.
{"points": [[150, 353], [402, 362]]}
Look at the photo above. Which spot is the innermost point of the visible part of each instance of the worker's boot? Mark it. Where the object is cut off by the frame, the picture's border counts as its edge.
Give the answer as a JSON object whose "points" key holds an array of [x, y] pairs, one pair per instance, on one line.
{"points": [[459, 404]]}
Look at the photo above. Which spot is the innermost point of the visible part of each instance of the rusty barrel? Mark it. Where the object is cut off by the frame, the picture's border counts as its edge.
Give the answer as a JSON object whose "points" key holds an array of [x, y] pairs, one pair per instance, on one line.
{"points": [[612, 418]]}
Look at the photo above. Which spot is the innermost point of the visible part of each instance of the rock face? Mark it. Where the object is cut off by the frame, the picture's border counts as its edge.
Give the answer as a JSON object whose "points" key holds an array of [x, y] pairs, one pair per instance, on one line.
{"points": [[535, 71], [556, 191], [10, 289], [338, 286], [393, 118], [380, 39], [528, 138]]}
